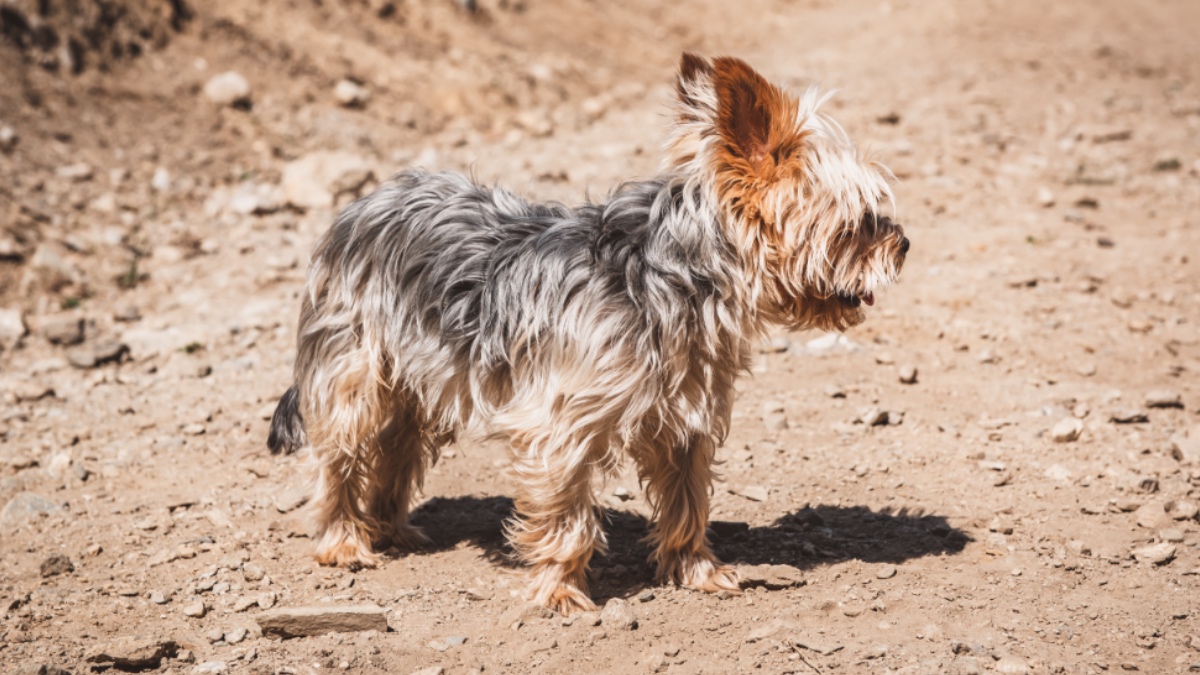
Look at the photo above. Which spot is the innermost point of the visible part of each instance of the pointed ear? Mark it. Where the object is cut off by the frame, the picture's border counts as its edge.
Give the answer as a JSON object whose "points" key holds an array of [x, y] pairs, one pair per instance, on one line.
{"points": [[694, 89], [751, 112]]}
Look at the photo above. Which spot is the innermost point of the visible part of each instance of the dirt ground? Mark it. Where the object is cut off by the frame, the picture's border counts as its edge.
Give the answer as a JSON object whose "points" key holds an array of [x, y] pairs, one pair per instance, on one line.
{"points": [[154, 232]]}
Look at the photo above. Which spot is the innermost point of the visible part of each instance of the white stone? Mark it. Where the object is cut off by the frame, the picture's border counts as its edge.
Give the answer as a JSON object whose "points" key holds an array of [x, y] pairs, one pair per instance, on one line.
{"points": [[315, 180], [228, 88]]}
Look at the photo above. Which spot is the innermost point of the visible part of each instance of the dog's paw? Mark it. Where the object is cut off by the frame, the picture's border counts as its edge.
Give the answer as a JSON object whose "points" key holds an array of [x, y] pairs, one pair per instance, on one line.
{"points": [[701, 571], [342, 547], [562, 590]]}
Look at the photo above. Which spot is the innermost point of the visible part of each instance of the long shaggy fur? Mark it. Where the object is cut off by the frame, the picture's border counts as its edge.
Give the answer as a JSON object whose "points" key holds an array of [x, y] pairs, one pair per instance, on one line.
{"points": [[435, 306]]}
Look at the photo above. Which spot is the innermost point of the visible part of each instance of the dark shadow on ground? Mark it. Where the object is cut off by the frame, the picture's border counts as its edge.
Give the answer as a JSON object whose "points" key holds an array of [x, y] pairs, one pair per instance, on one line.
{"points": [[804, 539]]}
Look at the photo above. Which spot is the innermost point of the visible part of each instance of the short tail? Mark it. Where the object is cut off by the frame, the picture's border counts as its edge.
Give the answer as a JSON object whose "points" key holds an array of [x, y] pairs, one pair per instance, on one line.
{"points": [[287, 425]]}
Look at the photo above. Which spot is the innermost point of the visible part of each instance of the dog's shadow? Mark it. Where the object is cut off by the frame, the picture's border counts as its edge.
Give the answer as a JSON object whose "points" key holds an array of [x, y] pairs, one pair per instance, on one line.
{"points": [[804, 539]]}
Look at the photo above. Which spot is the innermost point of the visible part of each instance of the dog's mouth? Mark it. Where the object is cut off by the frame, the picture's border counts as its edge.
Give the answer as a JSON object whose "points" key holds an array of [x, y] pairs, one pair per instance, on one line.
{"points": [[852, 300]]}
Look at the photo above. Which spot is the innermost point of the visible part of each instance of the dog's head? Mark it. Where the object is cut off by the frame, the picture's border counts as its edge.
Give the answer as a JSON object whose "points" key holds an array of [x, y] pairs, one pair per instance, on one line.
{"points": [[800, 204]]}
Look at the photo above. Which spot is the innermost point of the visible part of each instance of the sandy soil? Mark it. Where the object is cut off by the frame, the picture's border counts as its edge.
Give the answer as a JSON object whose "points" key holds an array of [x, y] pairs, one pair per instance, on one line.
{"points": [[150, 263]]}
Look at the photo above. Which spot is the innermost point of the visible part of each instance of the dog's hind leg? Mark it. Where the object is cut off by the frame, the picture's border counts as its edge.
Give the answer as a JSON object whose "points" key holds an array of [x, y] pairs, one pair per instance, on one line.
{"points": [[403, 452], [345, 409]]}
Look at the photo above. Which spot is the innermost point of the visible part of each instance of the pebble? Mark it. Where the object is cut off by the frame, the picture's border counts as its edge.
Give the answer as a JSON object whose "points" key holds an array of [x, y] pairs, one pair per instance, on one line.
{"points": [[646, 596], [158, 598], [350, 94], [1059, 473], [1183, 510], [835, 391], [1045, 198], [12, 327], [874, 417], [432, 670], [316, 180], [24, 506], [755, 493], [618, 614], [1152, 516], [227, 89], [1156, 554], [1066, 430], [1012, 665], [195, 609], [8, 138], [1128, 416], [774, 416], [235, 636], [57, 564], [211, 668], [1164, 399], [1173, 535], [252, 572], [908, 374], [62, 329], [76, 173], [886, 572]]}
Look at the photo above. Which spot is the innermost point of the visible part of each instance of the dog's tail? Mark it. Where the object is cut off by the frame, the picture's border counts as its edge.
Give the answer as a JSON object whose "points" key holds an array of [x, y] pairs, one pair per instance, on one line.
{"points": [[287, 425]]}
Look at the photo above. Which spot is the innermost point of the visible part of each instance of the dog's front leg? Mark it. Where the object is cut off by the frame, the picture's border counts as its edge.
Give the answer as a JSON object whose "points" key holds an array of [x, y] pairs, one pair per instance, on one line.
{"points": [[558, 528], [678, 482]]}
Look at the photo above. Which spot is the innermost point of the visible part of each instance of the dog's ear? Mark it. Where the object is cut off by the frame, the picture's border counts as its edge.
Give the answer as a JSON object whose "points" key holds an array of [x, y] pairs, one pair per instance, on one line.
{"points": [[753, 116], [697, 101]]}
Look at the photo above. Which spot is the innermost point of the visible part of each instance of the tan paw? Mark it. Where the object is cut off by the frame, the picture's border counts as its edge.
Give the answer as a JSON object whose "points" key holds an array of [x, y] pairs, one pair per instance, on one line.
{"points": [[346, 553]]}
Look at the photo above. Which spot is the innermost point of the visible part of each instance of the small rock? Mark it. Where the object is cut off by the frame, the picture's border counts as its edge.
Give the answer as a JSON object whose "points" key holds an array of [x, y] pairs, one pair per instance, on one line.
{"points": [[755, 493], [227, 89], [769, 629], [1066, 430], [876, 652], [874, 417], [1152, 516], [456, 641], [132, 653], [210, 668], [774, 416], [618, 614], [300, 621], [771, 577], [127, 312], [908, 374], [235, 636], [1164, 399], [886, 572], [57, 564], [350, 94], [267, 600], [12, 328], [1183, 510], [432, 670], [244, 603], [1173, 535], [1012, 665], [195, 609], [8, 138], [1045, 198], [317, 179], [252, 572], [76, 173], [62, 329], [1156, 554], [1059, 473], [161, 180], [158, 598], [646, 596], [1129, 416], [835, 391], [290, 500], [24, 506]]}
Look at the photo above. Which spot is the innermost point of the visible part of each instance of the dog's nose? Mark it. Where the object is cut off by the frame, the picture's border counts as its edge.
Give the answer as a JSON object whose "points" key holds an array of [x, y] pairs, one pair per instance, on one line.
{"points": [[904, 246]]}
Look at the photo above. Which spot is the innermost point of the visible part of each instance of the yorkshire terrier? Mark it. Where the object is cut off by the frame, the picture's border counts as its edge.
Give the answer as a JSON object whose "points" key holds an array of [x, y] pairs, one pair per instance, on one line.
{"points": [[435, 306]]}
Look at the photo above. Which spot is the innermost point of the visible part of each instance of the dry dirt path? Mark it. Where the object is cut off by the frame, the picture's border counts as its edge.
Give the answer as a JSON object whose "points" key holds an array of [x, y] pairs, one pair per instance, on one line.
{"points": [[1048, 156]]}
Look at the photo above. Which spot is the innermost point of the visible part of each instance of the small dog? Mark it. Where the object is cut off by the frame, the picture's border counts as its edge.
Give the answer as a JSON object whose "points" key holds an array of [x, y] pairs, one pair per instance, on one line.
{"points": [[434, 306]]}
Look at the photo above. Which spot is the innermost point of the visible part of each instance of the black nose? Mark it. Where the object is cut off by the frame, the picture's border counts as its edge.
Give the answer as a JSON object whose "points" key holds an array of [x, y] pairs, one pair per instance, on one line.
{"points": [[904, 246]]}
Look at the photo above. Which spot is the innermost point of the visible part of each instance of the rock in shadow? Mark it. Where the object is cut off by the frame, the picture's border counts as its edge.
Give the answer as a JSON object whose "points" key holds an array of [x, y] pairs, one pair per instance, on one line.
{"points": [[804, 539]]}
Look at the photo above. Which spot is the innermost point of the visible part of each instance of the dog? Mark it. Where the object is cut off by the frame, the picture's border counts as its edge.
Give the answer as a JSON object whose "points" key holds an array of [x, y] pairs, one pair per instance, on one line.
{"points": [[584, 336]]}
